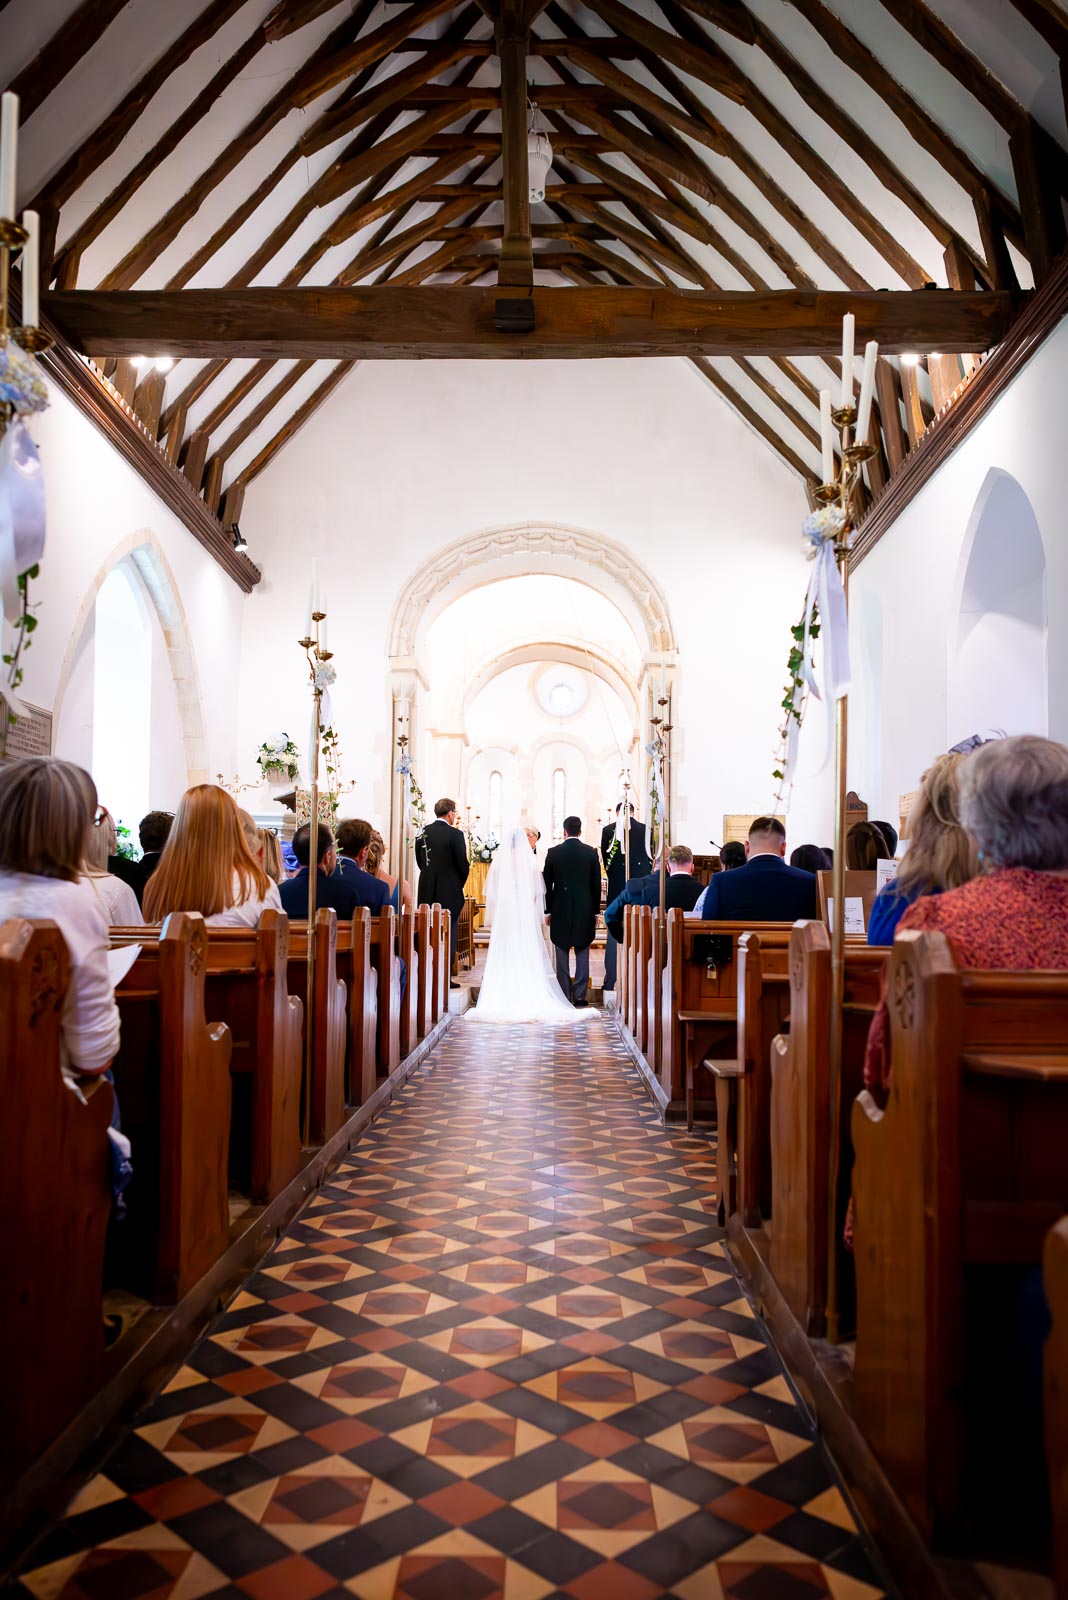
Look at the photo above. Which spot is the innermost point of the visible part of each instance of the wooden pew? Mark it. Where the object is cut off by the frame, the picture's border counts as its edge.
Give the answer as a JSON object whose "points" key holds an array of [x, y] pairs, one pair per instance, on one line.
{"points": [[622, 958], [799, 1112], [699, 1004], [387, 972], [356, 971], [440, 932], [1055, 1279], [172, 1078], [965, 1167], [763, 1006], [55, 1195], [424, 1001], [329, 1035], [642, 928], [409, 1006]]}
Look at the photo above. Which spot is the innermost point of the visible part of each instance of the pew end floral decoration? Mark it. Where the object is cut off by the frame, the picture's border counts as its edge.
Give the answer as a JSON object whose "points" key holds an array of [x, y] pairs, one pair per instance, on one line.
{"points": [[413, 805], [278, 758], [822, 532], [22, 508]]}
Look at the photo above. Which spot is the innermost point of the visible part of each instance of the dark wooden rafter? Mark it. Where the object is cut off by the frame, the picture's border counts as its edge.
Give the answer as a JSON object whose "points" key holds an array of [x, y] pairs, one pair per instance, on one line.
{"points": [[74, 40], [289, 16], [140, 257], [293, 424], [345, 63], [516, 268], [385, 324], [939, 40]]}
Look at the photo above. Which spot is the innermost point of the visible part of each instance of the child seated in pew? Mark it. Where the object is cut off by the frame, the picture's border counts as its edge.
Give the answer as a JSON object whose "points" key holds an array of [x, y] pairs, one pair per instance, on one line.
{"points": [[47, 809], [116, 899], [207, 865]]}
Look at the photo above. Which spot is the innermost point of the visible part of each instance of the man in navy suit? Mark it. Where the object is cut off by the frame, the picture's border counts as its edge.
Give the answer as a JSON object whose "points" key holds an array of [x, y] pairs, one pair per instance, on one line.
{"points": [[353, 843], [765, 889], [330, 890]]}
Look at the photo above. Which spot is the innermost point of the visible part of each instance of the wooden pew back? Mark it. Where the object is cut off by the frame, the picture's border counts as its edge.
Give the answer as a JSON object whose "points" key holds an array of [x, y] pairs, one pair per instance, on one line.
{"points": [[355, 969], [329, 1035], [55, 1196], [965, 1165], [424, 987], [387, 969], [699, 1006], [763, 1006], [172, 1077], [800, 1109], [1055, 1281], [409, 1006]]}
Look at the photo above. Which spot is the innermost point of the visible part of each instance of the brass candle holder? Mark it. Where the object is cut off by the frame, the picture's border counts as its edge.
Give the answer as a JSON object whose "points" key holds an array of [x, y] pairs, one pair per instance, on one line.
{"points": [[32, 339], [315, 655], [662, 745]]}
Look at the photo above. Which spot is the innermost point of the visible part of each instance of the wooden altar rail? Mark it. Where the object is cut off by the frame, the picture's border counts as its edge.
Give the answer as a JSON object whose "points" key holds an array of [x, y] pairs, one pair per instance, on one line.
{"points": [[208, 1078]]}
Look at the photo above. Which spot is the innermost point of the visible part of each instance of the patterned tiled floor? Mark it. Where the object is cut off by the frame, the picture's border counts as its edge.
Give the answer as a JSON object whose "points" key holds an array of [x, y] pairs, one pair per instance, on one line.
{"points": [[501, 1356]]}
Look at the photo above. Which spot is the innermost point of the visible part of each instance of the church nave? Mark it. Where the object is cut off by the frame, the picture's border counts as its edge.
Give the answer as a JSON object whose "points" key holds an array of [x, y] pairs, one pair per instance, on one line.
{"points": [[500, 1353]]}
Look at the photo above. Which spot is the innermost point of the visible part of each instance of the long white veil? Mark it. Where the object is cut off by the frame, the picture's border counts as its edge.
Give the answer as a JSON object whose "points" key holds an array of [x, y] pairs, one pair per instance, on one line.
{"points": [[519, 984]]}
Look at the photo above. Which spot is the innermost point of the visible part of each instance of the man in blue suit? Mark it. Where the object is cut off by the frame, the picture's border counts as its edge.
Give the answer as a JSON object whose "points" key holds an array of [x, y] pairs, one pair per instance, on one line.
{"points": [[765, 889]]}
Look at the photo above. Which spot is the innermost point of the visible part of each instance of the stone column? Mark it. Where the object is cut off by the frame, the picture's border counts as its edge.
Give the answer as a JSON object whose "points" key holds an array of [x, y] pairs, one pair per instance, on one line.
{"points": [[406, 680]]}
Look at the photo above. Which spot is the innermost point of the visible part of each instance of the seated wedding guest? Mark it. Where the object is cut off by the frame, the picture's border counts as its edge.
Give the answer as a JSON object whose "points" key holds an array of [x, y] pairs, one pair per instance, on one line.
{"points": [[732, 855], [941, 855], [207, 866], [400, 891], [810, 858], [331, 889], [1014, 803], [46, 815], [890, 834], [117, 899], [353, 847], [681, 891], [765, 889], [865, 847], [273, 864]]}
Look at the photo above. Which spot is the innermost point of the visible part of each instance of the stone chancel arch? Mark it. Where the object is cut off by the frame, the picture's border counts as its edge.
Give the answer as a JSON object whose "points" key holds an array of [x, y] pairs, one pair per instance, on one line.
{"points": [[519, 551]]}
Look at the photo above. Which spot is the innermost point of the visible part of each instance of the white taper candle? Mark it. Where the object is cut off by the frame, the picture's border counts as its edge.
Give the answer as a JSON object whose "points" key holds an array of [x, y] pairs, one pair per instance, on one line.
{"points": [[9, 140], [867, 390], [849, 324], [31, 270], [307, 634], [827, 435]]}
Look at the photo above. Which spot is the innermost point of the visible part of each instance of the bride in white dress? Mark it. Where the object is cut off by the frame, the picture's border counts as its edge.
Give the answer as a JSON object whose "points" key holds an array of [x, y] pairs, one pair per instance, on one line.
{"points": [[519, 984]]}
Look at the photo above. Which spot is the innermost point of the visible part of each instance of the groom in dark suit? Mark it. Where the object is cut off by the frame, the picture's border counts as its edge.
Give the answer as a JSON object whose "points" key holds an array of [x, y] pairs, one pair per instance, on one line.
{"points": [[573, 899], [441, 854]]}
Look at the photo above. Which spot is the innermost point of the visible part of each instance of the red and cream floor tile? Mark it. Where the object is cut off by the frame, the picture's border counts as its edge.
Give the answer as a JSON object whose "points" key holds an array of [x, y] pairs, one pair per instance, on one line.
{"points": [[501, 1355]]}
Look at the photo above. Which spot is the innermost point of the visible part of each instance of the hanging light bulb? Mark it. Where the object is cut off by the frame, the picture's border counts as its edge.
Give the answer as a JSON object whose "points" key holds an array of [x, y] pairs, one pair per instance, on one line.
{"points": [[909, 358], [164, 363], [539, 155]]}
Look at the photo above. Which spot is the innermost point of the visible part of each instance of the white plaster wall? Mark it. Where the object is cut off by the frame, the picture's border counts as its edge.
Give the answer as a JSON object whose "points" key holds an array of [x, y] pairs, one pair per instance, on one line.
{"points": [[905, 595], [98, 509], [408, 457]]}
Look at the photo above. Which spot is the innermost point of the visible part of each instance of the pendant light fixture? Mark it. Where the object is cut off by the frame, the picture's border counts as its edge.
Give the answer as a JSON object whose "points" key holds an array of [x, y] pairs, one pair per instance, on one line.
{"points": [[539, 154]]}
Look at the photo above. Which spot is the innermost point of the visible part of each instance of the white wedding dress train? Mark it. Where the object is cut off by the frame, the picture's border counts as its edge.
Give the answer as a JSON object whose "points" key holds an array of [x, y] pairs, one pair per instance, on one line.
{"points": [[519, 984]]}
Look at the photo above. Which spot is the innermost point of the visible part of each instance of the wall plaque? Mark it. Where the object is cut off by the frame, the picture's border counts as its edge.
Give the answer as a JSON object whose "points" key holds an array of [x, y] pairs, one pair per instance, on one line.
{"points": [[28, 735], [736, 824]]}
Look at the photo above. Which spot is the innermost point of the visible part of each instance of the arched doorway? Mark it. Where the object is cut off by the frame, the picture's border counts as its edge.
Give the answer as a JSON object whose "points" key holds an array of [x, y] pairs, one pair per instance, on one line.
{"points": [[496, 612], [997, 671]]}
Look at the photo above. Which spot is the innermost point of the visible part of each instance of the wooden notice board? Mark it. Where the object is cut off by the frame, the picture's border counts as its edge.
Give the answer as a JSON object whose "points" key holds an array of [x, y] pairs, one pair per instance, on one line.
{"points": [[736, 824], [29, 735]]}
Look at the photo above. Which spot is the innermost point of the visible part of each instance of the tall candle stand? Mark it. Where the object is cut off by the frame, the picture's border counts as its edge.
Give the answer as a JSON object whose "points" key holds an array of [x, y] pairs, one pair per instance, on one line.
{"points": [[662, 745], [840, 492], [315, 654]]}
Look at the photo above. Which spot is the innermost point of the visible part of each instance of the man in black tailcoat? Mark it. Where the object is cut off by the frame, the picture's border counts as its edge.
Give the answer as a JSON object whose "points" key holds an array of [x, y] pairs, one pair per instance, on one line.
{"points": [[441, 854], [573, 899]]}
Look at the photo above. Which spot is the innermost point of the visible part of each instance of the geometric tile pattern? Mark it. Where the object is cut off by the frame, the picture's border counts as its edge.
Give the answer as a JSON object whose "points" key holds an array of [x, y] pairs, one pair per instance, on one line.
{"points": [[501, 1355]]}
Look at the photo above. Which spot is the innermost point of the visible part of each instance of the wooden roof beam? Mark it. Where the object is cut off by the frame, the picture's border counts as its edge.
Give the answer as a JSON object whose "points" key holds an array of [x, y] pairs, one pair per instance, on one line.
{"points": [[311, 322], [316, 79], [516, 268], [73, 40]]}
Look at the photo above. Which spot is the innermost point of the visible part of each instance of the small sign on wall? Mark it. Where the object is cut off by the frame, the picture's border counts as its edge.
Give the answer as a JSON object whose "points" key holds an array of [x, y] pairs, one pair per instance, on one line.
{"points": [[736, 824], [29, 735]]}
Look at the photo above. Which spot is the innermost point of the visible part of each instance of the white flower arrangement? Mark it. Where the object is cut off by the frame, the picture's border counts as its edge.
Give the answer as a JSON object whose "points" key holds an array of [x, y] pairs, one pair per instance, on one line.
{"points": [[828, 522], [21, 384], [325, 676], [278, 754]]}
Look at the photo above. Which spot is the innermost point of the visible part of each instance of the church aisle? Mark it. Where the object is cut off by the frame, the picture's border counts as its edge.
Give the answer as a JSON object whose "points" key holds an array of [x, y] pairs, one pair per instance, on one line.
{"points": [[500, 1356]]}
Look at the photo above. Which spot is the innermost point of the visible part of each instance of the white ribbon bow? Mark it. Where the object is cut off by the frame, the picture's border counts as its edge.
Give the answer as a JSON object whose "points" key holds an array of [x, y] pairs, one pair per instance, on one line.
{"points": [[826, 594], [22, 513]]}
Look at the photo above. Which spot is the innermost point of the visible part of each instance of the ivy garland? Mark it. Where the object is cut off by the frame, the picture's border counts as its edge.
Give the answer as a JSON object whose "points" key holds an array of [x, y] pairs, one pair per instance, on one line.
{"points": [[24, 627], [793, 700]]}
